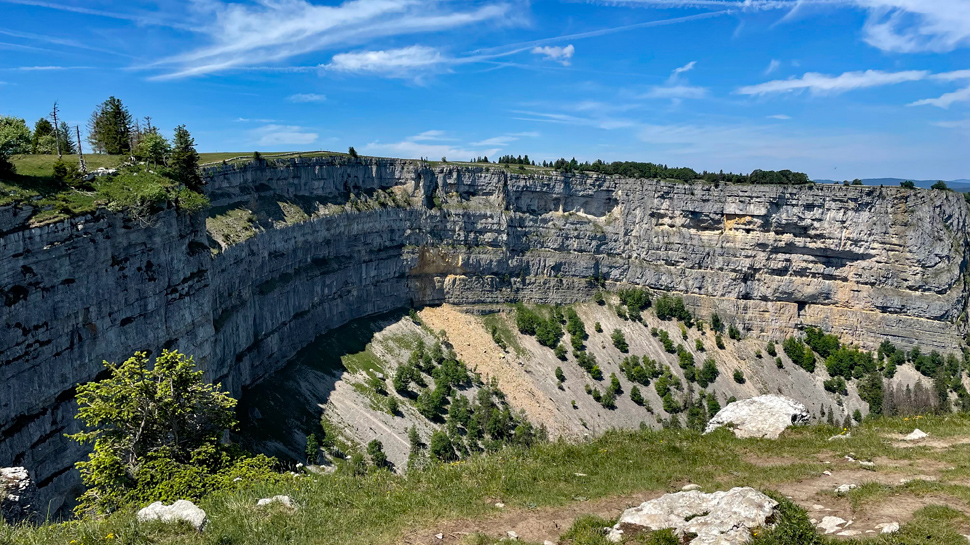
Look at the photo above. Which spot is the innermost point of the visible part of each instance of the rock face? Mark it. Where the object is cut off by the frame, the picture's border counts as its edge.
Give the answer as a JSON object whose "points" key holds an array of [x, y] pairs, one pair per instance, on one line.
{"points": [[721, 518], [295, 248], [17, 492], [182, 510], [763, 416]]}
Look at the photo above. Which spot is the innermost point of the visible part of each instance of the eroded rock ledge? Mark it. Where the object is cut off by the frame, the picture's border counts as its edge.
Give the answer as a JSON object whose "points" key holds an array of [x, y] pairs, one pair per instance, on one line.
{"points": [[291, 250]]}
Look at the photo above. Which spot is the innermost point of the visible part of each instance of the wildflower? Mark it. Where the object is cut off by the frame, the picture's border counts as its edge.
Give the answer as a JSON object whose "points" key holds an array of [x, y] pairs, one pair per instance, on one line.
{"points": [[110, 536]]}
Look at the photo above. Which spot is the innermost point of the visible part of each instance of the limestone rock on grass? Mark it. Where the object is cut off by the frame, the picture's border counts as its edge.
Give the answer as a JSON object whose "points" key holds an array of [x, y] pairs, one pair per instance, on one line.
{"points": [[916, 435], [763, 416], [16, 494], [285, 501], [720, 518], [180, 510]]}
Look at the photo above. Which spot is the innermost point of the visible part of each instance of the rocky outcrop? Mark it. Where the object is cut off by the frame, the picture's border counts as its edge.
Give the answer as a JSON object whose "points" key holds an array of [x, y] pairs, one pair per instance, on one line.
{"points": [[180, 511], [17, 492], [292, 249], [763, 416], [721, 518]]}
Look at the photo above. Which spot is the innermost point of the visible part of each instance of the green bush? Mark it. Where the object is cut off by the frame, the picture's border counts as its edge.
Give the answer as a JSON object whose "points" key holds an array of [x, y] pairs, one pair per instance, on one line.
{"points": [[770, 349], [156, 430], [799, 353], [739, 376], [719, 341], [619, 341]]}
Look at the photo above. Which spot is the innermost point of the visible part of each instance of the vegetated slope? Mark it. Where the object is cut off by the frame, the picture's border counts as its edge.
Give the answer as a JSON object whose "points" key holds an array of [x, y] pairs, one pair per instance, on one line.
{"points": [[346, 378]]}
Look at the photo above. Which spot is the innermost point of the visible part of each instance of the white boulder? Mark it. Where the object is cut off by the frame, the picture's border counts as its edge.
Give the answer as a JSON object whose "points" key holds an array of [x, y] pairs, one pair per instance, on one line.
{"points": [[720, 518], [763, 416], [285, 501], [180, 510], [916, 435]]}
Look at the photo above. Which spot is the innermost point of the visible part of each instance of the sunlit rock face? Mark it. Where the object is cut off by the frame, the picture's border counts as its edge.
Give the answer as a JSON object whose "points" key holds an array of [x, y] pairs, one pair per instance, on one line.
{"points": [[290, 250]]}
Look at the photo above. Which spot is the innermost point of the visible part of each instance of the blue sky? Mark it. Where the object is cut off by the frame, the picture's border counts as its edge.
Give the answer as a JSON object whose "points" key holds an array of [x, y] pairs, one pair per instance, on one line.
{"points": [[835, 88]]}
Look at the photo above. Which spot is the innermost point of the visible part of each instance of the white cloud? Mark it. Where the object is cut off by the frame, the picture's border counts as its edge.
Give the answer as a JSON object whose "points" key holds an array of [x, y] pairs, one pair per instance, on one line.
{"points": [[429, 135], [772, 66], [823, 84], [562, 55], [676, 91], [782, 117], [306, 97], [960, 124], [686, 68], [905, 26], [506, 139], [409, 148], [279, 135], [254, 34], [402, 62], [599, 122], [910, 26], [946, 100], [676, 87]]}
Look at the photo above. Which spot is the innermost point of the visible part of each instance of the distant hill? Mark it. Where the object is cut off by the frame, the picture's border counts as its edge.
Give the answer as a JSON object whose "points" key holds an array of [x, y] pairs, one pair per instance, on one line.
{"points": [[962, 184]]}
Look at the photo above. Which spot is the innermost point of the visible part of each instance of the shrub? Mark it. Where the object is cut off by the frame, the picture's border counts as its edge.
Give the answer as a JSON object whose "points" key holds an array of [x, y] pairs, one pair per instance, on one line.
{"points": [[770, 349], [821, 343], [619, 341], [560, 376], [392, 406], [668, 307], [778, 363], [739, 376], [560, 352], [734, 333], [597, 327], [608, 401], [719, 341], [441, 448], [598, 297], [716, 324], [836, 385], [352, 152], [799, 353], [857, 415], [636, 396], [157, 433], [699, 346], [708, 373], [375, 449]]}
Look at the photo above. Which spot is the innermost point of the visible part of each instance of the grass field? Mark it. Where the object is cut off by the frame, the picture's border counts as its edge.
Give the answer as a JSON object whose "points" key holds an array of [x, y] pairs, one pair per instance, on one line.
{"points": [[564, 481]]}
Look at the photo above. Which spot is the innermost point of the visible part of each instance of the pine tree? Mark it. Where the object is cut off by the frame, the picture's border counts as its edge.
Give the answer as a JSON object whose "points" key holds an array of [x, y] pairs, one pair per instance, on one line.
{"points": [[109, 129], [43, 140], [67, 140], [185, 160]]}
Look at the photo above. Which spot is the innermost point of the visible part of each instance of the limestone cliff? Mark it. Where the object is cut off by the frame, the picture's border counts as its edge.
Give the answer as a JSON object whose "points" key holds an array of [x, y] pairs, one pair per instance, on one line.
{"points": [[294, 249]]}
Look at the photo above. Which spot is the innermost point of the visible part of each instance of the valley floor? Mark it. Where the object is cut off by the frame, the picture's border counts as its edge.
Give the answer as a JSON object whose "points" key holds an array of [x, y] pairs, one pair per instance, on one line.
{"points": [[540, 492]]}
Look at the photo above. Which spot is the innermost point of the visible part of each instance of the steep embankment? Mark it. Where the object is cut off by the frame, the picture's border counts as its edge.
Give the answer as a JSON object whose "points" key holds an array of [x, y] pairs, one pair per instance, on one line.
{"points": [[293, 250]]}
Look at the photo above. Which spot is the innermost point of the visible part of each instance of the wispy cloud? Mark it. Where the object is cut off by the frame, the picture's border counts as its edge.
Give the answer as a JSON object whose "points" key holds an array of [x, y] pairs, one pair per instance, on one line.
{"points": [[676, 88], [562, 55], [947, 100], [403, 62], [686, 68], [824, 84], [505, 140], [905, 26], [676, 91], [782, 117], [270, 31], [306, 97], [772, 66], [282, 135], [430, 144]]}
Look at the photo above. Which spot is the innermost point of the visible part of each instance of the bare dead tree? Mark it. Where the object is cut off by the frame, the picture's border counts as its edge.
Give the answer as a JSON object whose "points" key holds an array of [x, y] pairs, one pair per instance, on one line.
{"points": [[80, 155], [57, 134]]}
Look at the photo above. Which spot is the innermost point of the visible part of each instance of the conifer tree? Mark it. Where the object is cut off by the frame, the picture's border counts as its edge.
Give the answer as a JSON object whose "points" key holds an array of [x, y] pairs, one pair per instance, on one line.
{"points": [[109, 129], [184, 160]]}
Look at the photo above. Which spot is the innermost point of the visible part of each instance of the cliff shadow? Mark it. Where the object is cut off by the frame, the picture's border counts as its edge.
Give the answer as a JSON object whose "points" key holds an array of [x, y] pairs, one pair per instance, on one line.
{"points": [[278, 413]]}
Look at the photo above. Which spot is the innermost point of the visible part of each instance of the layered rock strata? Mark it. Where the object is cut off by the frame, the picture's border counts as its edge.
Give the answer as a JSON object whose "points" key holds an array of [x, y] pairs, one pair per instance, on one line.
{"points": [[313, 243]]}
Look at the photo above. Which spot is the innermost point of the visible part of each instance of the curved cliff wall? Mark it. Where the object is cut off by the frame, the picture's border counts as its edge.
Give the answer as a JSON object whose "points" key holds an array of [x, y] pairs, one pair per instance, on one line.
{"points": [[324, 241]]}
